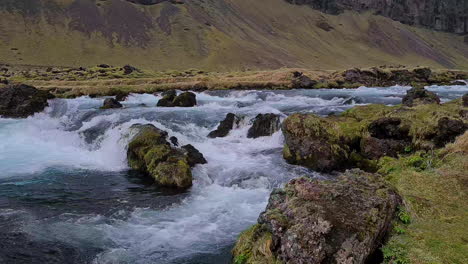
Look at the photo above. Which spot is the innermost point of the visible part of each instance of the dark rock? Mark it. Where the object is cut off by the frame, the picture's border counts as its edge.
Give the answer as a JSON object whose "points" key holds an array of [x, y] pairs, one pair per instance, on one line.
{"points": [[388, 128], [174, 141], [150, 153], [264, 125], [110, 103], [374, 148], [121, 96], [186, 99], [4, 81], [230, 122], [168, 98], [423, 73], [465, 100], [418, 95], [20, 101], [448, 130], [105, 66], [464, 114], [194, 156], [302, 81], [323, 221], [458, 83], [128, 69]]}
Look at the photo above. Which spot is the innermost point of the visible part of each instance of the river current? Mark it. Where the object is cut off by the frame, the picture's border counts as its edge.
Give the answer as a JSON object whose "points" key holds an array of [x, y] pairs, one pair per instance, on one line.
{"points": [[67, 195]]}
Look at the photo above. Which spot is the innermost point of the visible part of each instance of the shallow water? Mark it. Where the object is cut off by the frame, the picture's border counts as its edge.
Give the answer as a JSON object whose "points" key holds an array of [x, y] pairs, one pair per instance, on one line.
{"points": [[67, 196]]}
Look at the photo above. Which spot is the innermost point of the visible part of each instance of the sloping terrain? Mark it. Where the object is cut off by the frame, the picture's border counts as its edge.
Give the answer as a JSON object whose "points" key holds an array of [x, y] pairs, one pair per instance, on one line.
{"points": [[214, 35]]}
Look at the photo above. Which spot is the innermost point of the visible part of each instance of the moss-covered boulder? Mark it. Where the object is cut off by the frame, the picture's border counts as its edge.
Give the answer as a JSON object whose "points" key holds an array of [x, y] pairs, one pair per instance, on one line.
{"points": [[364, 134], [419, 95], [315, 221], [171, 99], [151, 153], [110, 103]]}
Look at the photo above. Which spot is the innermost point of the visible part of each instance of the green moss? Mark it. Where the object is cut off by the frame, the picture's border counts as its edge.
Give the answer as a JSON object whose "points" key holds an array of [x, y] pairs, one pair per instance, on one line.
{"points": [[254, 246]]}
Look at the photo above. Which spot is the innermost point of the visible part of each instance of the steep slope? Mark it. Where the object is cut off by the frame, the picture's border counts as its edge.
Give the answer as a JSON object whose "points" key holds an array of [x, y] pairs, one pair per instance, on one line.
{"points": [[214, 35]]}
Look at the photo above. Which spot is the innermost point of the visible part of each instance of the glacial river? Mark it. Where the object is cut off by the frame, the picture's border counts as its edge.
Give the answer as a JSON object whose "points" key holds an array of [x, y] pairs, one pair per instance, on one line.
{"points": [[67, 196]]}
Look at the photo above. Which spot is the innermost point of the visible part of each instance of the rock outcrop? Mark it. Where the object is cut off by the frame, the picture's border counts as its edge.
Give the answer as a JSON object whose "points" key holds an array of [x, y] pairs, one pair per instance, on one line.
{"points": [[151, 153], [21, 101], [322, 221], [194, 156], [418, 95], [445, 15], [171, 99], [360, 136], [230, 122], [110, 103], [264, 125]]}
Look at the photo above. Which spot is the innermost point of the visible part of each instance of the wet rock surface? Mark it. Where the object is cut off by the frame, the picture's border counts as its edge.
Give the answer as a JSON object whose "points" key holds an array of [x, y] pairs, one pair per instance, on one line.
{"points": [[264, 125], [21, 100], [194, 156], [171, 99], [322, 221], [110, 103], [151, 153], [223, 129], [420, 95]]}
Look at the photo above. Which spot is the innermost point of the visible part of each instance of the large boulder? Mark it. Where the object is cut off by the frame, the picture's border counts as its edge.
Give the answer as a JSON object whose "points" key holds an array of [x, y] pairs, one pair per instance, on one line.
{"points": [[21, 101], [299, 80], [419, 95], [264, 125], [314, 142], [110, 103], [322, 221], [170, 99], [151, 153], [223, 129]]}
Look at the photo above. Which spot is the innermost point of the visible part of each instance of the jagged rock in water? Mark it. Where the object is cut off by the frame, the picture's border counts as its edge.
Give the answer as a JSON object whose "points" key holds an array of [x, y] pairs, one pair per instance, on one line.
{"points": [[264, 125], [174, 141], [186, 99], [193, 155], [149, 152], [230, 122], [21, 100], [322, 221], [170, 99], [419, 95], [110, 103]]}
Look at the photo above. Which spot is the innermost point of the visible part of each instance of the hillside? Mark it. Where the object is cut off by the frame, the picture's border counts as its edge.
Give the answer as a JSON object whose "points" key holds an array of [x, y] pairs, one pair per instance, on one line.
{"points": [[227, 34]]}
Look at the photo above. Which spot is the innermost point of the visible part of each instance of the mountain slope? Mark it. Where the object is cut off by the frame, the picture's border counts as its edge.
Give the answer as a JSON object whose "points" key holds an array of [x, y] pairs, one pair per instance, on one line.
{"points": [[214, 35]]}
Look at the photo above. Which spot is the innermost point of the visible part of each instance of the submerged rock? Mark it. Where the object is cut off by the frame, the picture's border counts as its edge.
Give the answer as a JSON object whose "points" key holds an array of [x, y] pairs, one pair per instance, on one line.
{"points": [[230, 122], [194, 156], [264, 125], [171, 99], [21, 100], [110, 103], [149, 152], [419, 95], [322, 221]]}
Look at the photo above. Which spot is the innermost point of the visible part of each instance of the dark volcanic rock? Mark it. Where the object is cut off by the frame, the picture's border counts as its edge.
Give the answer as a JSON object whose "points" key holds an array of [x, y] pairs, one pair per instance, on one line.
{"points": [[388, 128], [465, 100], [128, 69], [230, 122], [375, 148], [170, 99], [264, 125], [150, 153], [448, 130], [194, 156], [418, 95], [186, 99], [110, 103], [174, 141], [20, 101], [300, 80], [323, 221]]}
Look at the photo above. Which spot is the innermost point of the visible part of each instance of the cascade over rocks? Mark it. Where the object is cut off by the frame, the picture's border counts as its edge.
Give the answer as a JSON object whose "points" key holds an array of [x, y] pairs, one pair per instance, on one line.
{"points": [[171, 99], [419, 95], [360, 136], [21, 100], [230, 122], [110, 103], [264, 125], [322, 221], [151, 153]]}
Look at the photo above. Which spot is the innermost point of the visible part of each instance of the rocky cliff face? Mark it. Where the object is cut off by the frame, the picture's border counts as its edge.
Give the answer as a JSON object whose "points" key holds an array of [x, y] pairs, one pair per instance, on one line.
{"points": [[445, 15]]}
